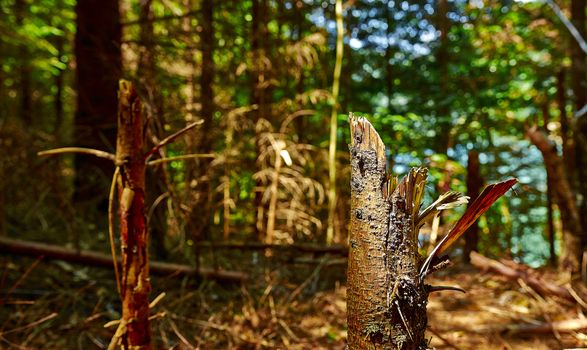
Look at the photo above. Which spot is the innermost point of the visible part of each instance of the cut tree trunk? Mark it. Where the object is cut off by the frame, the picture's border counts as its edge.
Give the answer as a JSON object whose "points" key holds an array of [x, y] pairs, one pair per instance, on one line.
{"points": [[386, 300], [135, 283]]}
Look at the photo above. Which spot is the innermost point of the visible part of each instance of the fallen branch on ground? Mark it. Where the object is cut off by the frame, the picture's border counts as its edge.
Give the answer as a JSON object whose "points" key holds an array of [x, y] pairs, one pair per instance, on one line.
{"points": [[538, 284], [302, 247], [565, 326], [49, 251]]}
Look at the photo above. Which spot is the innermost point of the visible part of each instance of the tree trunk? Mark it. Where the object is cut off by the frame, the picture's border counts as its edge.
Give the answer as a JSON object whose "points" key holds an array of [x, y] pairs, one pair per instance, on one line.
{"points": [[199, 219], [24, 68], [442, 58], [257, 81], [564, 196], [333, 124], [566, 127], [299, 13], [579, 76], [58, 99], [549, 180], [386, 298], [99, 66], [152, 101], [474, 185], [550, 219], [135, 283]]}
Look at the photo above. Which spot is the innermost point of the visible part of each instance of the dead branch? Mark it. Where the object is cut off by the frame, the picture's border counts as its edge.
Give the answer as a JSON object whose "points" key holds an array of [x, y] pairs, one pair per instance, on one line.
{"points": [[78, 150], [184, 157], [538, 284], [49, 251], [301, 247], [32, 324], [565, 326], [171, 138]]}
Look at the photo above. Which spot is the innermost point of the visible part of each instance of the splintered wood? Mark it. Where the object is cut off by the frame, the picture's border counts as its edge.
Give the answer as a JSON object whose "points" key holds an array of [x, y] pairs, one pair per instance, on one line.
{"points": [[386, 299]]}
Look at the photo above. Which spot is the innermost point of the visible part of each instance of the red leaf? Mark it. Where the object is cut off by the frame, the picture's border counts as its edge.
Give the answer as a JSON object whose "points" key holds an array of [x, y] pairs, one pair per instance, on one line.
{"points": [[489, 195]]}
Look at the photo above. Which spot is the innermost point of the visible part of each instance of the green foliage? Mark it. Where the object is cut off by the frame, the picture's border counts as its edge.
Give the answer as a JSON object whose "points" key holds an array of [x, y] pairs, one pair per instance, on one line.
{"points": [[432, 99]]}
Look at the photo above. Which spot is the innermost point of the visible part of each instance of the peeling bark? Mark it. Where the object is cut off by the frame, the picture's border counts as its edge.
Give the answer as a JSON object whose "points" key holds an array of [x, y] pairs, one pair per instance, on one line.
{"points": [[135, 283]]}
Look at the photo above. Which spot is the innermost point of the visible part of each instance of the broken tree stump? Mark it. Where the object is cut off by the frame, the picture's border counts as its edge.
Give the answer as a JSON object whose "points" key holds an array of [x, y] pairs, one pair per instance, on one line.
{"points": [[386, 293], [386, 300], [135, 284]]}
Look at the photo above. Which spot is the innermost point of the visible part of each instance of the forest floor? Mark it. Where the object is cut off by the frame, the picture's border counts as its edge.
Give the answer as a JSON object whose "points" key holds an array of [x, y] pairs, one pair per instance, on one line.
{"points": [[54, 305]]}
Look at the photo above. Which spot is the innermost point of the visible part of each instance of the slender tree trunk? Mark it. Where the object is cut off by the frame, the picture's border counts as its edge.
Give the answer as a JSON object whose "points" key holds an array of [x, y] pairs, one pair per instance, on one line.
{"points": [[58, 99], [199, 220], [386, 298], [300, 123], [153, 103], [24, 68], [579, 76], [99, 66], [442, 58], [564, 196], [135, 282], [333, 124], [389, 54], [549, 180], [550, 219], [257, 81], [566, 127], [474, 186]]}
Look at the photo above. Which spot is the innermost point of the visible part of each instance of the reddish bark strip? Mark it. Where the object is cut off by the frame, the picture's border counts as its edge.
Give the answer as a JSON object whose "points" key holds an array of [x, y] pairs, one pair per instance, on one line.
{"points": [[135, 284]]}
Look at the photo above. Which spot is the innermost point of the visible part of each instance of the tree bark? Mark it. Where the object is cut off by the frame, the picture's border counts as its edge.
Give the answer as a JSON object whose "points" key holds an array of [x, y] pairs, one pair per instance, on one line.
{"points": [[474, 185], [579, 76], [258, 95], [199, 219], [135, 283], [442, 58], [565, 198], [386, 299], [333, 125], [99, 66], [566, 127], [152, 101], [24, 68], [550, 219]]}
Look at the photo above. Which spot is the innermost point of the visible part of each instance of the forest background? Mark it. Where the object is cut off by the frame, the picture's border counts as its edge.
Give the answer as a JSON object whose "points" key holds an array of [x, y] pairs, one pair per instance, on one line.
{"points": [[475, 90]]}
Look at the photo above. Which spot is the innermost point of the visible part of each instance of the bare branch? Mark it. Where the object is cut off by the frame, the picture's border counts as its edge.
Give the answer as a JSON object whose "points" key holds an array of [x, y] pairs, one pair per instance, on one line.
{"points": [[171, 138], [184, 157], [80, 150]]}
